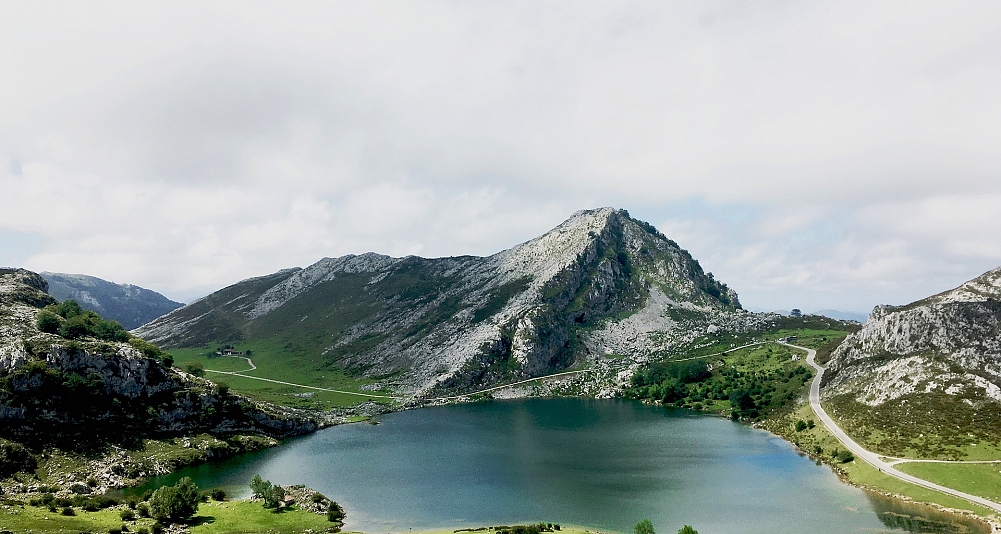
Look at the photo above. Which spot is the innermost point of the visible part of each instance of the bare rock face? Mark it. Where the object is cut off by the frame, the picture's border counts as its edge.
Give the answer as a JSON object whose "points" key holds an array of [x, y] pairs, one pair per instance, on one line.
{"points": [[447, 324], [950, 343]]}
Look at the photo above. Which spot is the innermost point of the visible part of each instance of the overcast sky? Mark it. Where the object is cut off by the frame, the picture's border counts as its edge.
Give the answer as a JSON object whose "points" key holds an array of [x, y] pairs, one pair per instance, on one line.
{"points": [[810, 154]]}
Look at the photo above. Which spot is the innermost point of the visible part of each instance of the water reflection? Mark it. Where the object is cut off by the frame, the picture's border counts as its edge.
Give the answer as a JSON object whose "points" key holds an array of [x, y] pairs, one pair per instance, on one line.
{"points": [[910, 517]]}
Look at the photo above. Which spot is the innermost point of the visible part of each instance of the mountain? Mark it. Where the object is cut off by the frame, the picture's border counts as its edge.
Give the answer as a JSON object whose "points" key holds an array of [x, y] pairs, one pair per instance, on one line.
{"points": [[843, 315], [600, 283], [89, 390], [924, 378], [130, 305]]}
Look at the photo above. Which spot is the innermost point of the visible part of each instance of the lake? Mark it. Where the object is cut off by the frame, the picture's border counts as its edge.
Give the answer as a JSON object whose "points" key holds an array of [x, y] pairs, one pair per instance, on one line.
{"points": [[598, 463]]}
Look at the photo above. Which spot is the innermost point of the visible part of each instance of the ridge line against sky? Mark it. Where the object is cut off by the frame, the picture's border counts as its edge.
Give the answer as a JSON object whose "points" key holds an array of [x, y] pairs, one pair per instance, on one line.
{"points": [[829, 155]]}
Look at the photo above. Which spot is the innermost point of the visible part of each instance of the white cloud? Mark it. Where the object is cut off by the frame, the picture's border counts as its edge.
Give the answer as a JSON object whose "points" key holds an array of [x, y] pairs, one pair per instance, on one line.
{"points": [[821, 155]]}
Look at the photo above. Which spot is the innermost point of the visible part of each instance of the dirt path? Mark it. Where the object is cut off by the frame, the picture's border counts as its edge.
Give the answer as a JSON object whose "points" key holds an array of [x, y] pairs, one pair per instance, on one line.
{"points": [[872, 458]]}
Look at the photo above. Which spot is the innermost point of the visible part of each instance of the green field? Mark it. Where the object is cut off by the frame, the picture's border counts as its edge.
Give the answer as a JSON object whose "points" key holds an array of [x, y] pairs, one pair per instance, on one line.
{"points": [[983, 480], [276, 361], [229, 517]]}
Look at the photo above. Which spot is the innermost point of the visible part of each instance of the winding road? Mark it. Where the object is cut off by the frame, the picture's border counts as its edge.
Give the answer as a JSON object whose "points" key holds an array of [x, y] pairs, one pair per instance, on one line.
{"points": [[872, 458]]}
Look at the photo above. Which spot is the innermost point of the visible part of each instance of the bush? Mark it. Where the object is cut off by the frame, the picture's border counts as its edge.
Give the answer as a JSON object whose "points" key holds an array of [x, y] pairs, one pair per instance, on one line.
{"points": [[142, 530], [274, 496], [127, 515], [800, 425], [157, 528], [174, 503], [48, 322], [335, 513], [142, 509], [687, 529], [67, 511], [218, 494], [317, 498], [195, 368], [845, 456], [14, 457]]}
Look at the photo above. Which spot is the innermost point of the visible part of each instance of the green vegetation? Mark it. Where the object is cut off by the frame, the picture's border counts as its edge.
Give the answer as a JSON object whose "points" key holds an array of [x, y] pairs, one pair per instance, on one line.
{"points": [[173, 504], [272, 495], [70, 321], [283, 362], [752, 383], [821, 445], [932, 425], [644, 527], [983, 480]]}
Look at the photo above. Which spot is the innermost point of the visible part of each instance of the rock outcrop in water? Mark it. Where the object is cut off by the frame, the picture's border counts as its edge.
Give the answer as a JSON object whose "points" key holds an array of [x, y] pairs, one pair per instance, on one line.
{"points": [[601, 282]]}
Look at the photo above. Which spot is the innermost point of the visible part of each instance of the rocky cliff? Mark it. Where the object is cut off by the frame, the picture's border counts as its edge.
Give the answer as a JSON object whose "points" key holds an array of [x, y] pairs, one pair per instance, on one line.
{"points": [[598, 283], [933, 366], [128, 304], [87, 392]]}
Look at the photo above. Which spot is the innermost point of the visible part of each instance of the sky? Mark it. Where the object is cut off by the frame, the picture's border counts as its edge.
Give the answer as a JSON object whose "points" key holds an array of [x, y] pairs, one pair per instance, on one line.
{"points": [[810, 154]]}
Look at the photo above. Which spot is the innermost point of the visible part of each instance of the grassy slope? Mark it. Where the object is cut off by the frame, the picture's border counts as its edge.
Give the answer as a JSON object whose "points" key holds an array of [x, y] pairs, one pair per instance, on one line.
{"points": [[278, 361], [983, 480], [212, 518]]}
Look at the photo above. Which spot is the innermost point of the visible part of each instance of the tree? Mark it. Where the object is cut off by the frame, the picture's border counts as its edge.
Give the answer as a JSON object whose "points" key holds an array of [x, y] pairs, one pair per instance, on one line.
{"points": [[259, 486], [335, 514], [195, 368], [800, 425], [687, 529], [644, 527], [174, 503], [274, 496]]}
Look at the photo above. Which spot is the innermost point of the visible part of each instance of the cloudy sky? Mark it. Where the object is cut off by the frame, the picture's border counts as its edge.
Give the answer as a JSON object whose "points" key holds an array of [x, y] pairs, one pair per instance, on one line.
{"points": [[811, 154]]}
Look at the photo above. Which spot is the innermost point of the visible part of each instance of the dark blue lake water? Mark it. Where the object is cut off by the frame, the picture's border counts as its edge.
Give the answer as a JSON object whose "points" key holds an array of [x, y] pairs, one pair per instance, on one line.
{"points": [[598, 463]]}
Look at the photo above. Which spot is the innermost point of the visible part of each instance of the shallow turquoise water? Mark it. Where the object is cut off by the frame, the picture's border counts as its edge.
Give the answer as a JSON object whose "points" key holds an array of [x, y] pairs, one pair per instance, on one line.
{"points": [[599, 463]]}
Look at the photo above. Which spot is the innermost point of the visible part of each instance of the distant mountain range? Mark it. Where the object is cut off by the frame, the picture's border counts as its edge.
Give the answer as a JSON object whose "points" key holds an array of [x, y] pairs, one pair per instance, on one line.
{"points": [[925, 378], [833, 314], [601, 283], [130, 305]]}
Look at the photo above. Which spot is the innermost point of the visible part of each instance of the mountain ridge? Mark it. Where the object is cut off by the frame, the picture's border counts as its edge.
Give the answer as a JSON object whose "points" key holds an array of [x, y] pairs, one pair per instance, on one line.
{"points": [[445, 323], [129, 304]]}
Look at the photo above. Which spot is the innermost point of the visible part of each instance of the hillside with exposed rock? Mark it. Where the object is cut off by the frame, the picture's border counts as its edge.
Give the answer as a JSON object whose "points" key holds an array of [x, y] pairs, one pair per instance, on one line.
{"points": [[131, 305], [601, 283], [87, 392], [924, 379]]}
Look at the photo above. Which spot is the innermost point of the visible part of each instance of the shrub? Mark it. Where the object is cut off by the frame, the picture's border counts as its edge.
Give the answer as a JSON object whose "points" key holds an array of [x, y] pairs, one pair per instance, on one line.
{"points": [[335, 513], [92, 482], [218, 494], [127, 515], [142, 509], [168, 361], [157, 528], [317, 498], [800, 425], [115, 530], [174, 503], [48, 322], [67, 511], [845, 456], [14, 457], [687, 529], [195, 368], [142, 530]]}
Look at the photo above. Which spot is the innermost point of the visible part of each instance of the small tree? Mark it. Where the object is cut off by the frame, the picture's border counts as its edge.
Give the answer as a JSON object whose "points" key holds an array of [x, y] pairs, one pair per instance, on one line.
{"points": [[49, 322], [335, 513], [174, 503], [687, 529], [274, 496], [259, 486], [644, 527], [195, 368], [800, 425]]}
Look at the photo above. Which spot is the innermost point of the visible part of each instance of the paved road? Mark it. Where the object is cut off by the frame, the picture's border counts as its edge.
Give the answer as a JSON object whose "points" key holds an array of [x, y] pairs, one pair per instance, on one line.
{"points": [[870, 457]]}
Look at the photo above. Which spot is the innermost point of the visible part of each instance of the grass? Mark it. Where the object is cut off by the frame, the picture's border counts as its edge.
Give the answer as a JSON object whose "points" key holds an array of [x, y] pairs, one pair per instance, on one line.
{"points": [[983, 480], [276, 361], [230, 517], [233, 517], [820, 444]]}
